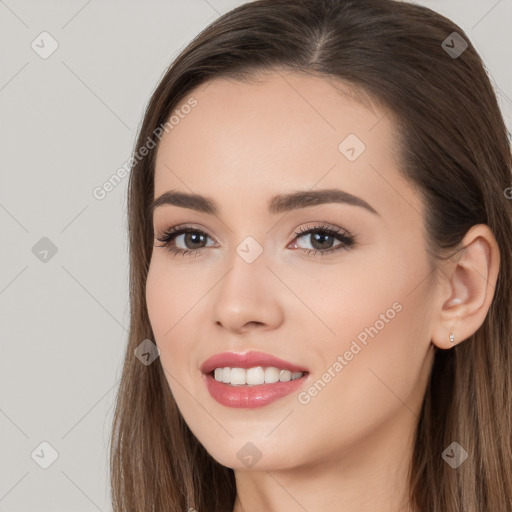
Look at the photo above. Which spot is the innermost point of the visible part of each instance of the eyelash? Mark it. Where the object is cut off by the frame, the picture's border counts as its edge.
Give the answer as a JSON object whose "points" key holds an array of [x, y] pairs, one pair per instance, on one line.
{"points": [[347, 240]]}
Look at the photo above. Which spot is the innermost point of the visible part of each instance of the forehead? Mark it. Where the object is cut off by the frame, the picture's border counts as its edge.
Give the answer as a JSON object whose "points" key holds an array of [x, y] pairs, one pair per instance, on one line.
{"points": [[283, 131]]}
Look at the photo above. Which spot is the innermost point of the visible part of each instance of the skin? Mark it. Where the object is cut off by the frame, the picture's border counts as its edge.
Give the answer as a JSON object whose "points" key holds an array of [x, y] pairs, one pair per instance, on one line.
{"points": [[243, 143]]}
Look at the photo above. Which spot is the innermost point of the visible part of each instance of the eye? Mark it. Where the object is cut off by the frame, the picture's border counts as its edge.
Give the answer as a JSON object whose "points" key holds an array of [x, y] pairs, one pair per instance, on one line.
{"points": [[322, 237], [193, 240]]}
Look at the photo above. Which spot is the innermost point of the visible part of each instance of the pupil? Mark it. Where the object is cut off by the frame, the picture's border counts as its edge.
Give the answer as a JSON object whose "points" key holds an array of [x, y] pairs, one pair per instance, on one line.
{"points": [[192, 237], [322, 238]]}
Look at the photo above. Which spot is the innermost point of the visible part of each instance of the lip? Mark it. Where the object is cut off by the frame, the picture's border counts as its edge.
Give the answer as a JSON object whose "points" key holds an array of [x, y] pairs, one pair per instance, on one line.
{"points": [[248, 360], [250, 396]]}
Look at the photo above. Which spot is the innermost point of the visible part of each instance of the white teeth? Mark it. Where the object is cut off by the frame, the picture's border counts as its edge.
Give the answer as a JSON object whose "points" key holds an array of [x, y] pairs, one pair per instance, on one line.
{"points": [[238, 376], [254, 376], [226, 375], [271, 375], [285, 375]]}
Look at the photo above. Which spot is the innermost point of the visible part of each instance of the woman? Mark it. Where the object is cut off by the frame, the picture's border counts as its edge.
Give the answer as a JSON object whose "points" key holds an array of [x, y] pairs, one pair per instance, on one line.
{"points": [[320, 270]]}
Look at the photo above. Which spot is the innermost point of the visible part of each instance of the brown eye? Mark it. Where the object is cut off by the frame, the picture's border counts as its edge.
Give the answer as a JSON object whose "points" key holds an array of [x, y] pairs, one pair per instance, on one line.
{"points": [[192, 239], [322, 239]]}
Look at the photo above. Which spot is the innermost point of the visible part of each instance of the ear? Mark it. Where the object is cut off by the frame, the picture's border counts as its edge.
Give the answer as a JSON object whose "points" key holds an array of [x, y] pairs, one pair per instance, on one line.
{"points": [[467, 287]]}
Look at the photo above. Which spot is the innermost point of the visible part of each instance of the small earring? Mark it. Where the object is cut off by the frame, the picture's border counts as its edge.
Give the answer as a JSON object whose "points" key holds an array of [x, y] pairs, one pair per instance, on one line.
{"points": [[452, 337]]}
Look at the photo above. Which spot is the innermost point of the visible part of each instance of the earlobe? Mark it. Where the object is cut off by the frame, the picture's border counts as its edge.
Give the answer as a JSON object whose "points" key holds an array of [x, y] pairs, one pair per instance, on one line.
{"points": [[468, 288]]}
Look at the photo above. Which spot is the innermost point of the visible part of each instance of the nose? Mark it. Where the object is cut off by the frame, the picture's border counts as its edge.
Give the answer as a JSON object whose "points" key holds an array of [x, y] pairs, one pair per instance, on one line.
{"points": [[248, 297]]}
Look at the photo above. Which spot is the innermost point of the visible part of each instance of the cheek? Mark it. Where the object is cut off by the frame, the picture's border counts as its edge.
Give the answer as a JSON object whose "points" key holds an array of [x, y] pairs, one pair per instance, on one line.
{"points": [[376, 312], [372, 371], [159, 300], [175, 311], [170, 297], [380, 344], [170, 293]]}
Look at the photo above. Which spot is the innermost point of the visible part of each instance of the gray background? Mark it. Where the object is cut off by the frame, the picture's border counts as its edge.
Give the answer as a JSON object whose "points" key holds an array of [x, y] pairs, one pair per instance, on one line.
{"points": [[68, 122]]}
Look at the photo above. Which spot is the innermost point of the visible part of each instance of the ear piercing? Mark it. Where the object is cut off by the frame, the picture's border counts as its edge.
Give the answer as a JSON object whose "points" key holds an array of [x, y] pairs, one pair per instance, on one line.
{"points": [[452, 337]]}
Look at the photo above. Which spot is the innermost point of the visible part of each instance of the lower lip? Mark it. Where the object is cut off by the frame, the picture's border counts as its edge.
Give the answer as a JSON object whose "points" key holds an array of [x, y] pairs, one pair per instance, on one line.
{"points": [[250, 397]]}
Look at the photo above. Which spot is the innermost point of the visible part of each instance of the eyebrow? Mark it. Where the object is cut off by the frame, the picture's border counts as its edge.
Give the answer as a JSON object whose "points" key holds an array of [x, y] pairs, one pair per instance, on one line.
{"points": [[278, 204]]}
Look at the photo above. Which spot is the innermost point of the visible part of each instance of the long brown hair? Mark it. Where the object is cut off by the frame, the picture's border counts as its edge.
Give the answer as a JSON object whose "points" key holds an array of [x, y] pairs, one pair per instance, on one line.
{"points": [[454, 148]]}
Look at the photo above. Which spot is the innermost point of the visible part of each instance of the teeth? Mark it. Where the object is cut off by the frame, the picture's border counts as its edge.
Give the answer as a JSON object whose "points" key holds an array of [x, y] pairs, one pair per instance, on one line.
{"points": [[238, 377], [271, 375], [254, 376], [285, 375]]}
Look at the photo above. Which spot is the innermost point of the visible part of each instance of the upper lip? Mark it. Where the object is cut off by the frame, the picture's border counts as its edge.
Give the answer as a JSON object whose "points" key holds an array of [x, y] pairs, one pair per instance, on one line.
{"points": [[248, 360]]}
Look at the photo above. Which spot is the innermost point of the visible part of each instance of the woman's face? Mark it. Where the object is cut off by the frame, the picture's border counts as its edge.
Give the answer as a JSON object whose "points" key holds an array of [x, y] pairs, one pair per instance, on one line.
{"points": [[353, 307]]}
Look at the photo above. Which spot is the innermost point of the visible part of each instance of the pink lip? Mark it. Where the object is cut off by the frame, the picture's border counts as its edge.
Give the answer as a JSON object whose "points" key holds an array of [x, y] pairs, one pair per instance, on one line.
{"points": [[247, 360], [249, 396]]}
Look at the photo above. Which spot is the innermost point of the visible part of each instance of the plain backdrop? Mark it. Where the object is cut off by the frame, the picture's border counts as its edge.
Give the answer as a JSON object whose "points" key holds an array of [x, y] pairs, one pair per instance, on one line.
{"points": [[68, 122]]}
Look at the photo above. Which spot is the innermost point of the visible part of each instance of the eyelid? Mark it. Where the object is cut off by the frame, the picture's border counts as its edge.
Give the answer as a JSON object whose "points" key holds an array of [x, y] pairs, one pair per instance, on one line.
{"points": [[182, 227], [322, 226]]}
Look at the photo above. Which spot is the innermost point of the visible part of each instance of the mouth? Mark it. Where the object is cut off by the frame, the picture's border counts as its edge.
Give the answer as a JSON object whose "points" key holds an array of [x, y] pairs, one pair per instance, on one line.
{"points": [[251, 379]]}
